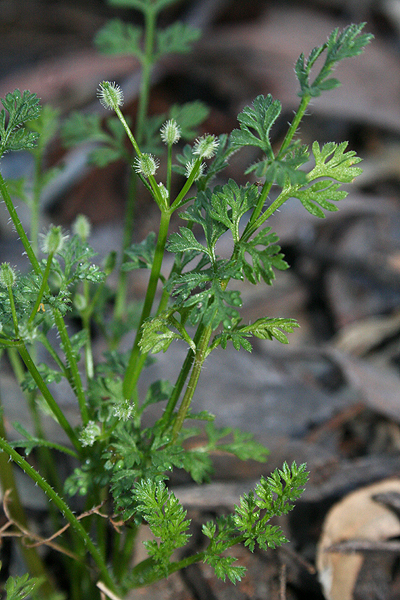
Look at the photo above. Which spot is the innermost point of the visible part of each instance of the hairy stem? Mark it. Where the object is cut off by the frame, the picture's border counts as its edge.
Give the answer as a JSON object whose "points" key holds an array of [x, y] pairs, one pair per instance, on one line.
{"points": [[133, 371], [64, 509], [199, 358], [17, 512], [48, 396], [18, 226]]}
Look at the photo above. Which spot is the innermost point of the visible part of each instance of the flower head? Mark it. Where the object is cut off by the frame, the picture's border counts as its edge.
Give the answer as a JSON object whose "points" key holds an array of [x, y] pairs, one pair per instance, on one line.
{"points": [[146, 165], [124, 410], [7, 275], [206, 146], [81, 227], [170, 132], [53, 240], [110, 95], [89, 434], [189, 166]]}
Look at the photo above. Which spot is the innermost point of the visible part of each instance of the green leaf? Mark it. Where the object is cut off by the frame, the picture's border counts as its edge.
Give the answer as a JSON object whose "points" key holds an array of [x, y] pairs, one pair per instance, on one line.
{"points": [[157, 334], [265, 257], [273, 496], [243, 445], [331, 163], [199, 465], [223, 567], [338, 47], [213, 305], [158, 391], [283, 171], [32, 442], [260, 118], [14, 135], [117, 37], [79, 128], [185, 241], [141, 255], [199, 212], [49, 375], [269, 328], [165, 516], [230, 203], [18, 588], [177, 38]]}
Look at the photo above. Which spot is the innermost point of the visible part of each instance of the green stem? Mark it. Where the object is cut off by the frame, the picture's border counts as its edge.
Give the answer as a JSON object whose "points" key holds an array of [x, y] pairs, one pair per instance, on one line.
{"points": [[169, 169], [45, 457], [13, 311], [120, 299], [18, 226], [199, 358], [123, 556], [35, 207], [64, 509], [42, 287], [150, 17], [145, 572], [48, 396], [72, 365], [305, 100], [251, 226], [133, 369], [177, 203], [180, 382], [33, 561]]}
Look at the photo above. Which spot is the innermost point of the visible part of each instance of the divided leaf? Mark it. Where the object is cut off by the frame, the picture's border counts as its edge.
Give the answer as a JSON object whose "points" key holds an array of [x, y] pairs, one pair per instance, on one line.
{"points": [[331, 163], [177, 38], [338, 47], [140, 255], [265, 329], [260, 118], [18, 110], [117, 37]]}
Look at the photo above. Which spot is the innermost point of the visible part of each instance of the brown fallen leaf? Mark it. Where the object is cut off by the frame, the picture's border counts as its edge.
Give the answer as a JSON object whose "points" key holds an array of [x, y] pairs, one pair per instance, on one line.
{"points": [[356, 517]]}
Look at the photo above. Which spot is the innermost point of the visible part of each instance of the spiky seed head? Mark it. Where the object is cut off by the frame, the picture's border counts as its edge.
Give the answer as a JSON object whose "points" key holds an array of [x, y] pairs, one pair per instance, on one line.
{"points": [[146, 165], [206, 146], [82, 227], [53, 241], [189, 169], [170, 132], [7, 275], [110, 95]]}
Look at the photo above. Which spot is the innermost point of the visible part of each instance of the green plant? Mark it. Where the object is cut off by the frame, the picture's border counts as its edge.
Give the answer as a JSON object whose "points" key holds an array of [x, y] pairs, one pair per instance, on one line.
{"points": [[122, 466]]}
